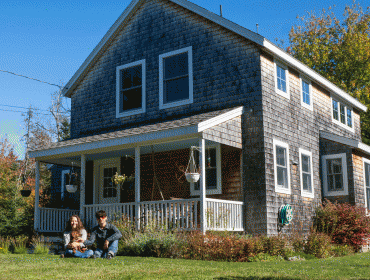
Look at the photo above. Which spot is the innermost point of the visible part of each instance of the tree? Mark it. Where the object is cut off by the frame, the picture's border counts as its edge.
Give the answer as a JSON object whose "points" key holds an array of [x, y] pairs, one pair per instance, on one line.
{"points": [[339, 51]]}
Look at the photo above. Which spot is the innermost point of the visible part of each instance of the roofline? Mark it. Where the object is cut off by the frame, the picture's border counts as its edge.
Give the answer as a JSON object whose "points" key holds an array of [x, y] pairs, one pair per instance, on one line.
{"points": [[346, 141], [242, 31]]}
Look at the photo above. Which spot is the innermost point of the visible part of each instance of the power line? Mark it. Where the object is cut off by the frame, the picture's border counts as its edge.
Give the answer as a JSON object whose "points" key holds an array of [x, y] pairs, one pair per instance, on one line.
{"points": [[22, 112], [30, 78], [23, 107]]}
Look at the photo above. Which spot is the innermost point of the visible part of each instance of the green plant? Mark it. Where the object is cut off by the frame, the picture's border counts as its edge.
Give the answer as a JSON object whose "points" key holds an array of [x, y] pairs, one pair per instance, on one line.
{"points": [[19, 244], [4, 245], [318, 244], [274, 245], [40, 246], [264, 257], [341, 250]]}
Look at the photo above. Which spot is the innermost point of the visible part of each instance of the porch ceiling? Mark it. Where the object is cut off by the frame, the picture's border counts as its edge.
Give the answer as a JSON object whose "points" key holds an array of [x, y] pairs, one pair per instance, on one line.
{"points": [[166, 136]]}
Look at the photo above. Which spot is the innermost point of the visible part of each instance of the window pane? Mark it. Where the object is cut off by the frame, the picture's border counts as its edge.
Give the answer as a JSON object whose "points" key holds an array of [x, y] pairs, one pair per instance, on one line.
{"points": [[335, 110], [177, 89], [282, 178], [131, 77], [330, 182], [307, 182], [211, 179], [306, 164], [280, 156], [131, 99], [175, 66], [337, 166], [349, 117], [211, 157], [338, 182], [281, 79], [342, 114], [306, 92], [367, 174]]}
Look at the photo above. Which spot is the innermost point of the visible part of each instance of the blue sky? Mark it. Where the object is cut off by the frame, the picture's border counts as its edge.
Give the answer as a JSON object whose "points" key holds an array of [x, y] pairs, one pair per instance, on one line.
{"points": [[49, 40]]}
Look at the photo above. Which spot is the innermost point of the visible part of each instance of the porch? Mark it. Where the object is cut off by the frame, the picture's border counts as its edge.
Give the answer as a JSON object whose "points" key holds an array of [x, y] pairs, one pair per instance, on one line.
{"points": [[151, 155], [182, 214]]}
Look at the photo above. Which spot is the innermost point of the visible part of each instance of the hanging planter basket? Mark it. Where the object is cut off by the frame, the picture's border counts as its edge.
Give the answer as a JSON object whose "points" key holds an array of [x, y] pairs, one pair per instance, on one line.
{"points": [[192, 171], [25, 193], [192, 177], [71, 188]]}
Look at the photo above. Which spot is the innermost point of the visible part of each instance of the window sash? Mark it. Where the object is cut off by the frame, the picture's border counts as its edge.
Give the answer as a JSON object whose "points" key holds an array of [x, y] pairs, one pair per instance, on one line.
{"points": [[335, 174], [109, 189], [306, 172], [335, 110], [349, 117], [131, 84], [306, 93], [281, 78], [342, 114], [281, 166]]}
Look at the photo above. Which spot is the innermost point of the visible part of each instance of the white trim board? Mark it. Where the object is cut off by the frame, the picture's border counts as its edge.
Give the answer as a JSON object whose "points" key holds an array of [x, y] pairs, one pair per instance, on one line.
{"points": [[246, 33], [346, 141]]}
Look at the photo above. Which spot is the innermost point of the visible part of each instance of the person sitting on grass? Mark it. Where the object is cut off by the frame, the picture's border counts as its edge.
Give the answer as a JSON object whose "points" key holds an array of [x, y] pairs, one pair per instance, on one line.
{"points": [[106, 236], [74, 236]]}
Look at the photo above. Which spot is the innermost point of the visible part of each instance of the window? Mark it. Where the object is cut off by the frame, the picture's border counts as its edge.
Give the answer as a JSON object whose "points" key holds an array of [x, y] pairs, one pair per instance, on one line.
{"points": [[342, 114], [213, 171], [281, 80], [175, 78], [305, 160], [367, 182], [109, 189], [281, 167], [130, 89], [306, 96], [335, 175]]}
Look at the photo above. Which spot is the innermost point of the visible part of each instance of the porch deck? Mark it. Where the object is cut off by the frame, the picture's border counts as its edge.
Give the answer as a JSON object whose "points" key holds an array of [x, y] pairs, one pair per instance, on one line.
{"points": [[183, 214]]}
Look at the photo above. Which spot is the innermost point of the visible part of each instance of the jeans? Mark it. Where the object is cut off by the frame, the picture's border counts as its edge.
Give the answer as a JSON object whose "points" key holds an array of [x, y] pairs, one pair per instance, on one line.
{"points": [[78, 254], [113, 248]]}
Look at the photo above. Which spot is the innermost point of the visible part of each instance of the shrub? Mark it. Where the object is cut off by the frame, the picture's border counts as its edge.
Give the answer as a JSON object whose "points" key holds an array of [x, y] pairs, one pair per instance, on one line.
{"points": [[341, 250], [274, 245], [39, 245], [19, 244], [318, 244], [5, 244], [345, 224], [298, 242]]}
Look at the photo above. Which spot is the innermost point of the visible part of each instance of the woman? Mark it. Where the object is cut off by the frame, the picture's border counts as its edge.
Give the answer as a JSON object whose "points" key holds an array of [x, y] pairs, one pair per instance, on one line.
{"points": [[74, 237]]}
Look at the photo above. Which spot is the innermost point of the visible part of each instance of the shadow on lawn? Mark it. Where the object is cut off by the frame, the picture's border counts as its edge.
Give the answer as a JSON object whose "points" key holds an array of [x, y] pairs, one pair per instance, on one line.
{"points": [[255, 278]]}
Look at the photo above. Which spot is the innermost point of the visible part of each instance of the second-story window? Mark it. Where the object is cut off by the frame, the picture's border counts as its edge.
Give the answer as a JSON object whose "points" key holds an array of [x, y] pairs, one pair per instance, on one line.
{"points": [[175, 78], [306, 95], [281, 79], [342, 114], [130, 89]]}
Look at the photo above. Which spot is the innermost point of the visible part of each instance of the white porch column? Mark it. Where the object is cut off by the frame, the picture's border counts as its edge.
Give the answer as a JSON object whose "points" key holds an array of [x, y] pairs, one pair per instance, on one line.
{"points": [[82, 188], [137, 187], [202, 185], [37, 197]]}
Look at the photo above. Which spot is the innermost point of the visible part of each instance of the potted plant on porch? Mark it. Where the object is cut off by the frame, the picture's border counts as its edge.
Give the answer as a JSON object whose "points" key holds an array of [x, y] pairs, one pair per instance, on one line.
{"points": [[25, 192], [192, 172], [73, 180]]}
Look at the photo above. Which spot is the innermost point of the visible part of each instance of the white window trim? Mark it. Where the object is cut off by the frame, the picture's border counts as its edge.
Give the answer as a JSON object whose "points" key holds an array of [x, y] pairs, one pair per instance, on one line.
{"points": [[338, 122], [305, 105], [218, 189], [343, 156], [282, 93], [303, 192], [190, 68], [365, 160], [279, 189], [64, 172], [143, 90]]}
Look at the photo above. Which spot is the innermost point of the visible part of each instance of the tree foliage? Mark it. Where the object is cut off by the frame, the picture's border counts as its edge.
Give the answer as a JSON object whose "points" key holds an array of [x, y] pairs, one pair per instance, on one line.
{"points": [[339, 51]]}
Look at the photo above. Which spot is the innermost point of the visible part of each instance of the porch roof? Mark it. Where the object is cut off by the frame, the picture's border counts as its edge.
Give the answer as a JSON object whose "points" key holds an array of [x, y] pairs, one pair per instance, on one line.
{"points": [[354, 143], [185, 128]]}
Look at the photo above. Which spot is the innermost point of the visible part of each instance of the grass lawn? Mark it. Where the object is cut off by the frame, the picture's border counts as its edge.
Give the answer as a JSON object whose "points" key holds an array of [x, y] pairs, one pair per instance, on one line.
{"points": [[26, 266]]}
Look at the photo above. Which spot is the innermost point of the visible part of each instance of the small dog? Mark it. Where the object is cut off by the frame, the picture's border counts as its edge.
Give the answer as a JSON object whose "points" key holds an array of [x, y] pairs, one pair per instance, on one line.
{"points": [[76, 237]]}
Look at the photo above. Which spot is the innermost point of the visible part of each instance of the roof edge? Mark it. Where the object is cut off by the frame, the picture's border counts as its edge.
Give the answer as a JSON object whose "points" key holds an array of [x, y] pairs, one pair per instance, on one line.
{"points": [[346, 141]]}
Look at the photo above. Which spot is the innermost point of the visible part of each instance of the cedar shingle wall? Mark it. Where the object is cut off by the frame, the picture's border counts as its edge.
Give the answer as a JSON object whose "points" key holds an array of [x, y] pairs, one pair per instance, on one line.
{"points": [[286, 120], [228, 133]]}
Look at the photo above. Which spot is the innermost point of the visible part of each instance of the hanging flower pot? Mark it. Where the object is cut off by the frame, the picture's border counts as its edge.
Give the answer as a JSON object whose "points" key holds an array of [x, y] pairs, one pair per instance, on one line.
{"points": [[71, 188], [25, 193], [192, 177]]}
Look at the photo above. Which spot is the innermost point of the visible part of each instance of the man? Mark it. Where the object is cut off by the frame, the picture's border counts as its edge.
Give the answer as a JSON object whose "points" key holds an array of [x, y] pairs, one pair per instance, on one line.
{"points": [[106, 235]]}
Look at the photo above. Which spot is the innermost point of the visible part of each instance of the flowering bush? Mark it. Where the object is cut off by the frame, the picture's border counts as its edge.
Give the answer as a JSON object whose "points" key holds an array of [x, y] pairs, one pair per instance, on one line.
{"points": [[318, 244], [344, 223]]}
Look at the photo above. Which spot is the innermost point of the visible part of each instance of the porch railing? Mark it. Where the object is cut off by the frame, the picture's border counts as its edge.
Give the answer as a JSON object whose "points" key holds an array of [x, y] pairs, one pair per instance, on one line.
{"points": [[224, 215], [182, 214], [54, 220]]}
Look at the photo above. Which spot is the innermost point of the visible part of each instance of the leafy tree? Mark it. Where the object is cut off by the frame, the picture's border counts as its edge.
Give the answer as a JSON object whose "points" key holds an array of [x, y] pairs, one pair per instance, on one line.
{"points": [[339, 51]]}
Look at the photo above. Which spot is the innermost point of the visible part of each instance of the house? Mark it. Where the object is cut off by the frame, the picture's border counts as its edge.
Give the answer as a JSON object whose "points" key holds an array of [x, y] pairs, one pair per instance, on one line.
{"points": [[170, 75]]}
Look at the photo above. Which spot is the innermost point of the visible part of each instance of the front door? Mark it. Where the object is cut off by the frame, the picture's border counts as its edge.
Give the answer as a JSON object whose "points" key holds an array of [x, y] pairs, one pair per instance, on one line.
{"points": [[108, 191]]}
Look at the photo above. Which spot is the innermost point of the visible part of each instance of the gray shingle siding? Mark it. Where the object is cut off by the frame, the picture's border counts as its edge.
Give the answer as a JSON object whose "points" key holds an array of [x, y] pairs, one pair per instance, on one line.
{"points": [[226, 69]]}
